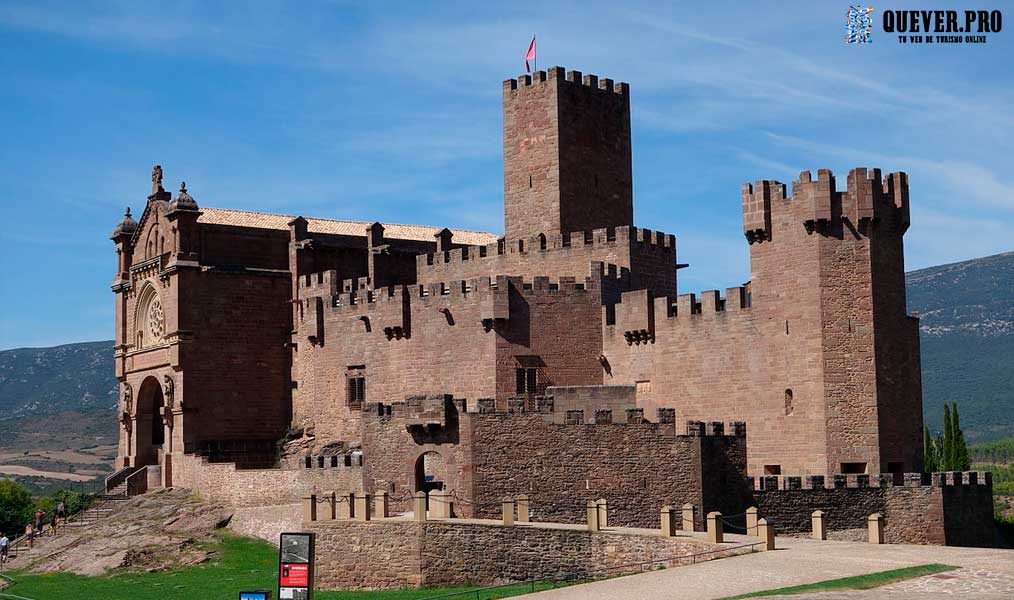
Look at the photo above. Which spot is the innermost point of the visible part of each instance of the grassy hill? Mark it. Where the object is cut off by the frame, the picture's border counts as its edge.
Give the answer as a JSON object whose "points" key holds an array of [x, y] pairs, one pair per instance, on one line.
{"points": [[967, 335]]}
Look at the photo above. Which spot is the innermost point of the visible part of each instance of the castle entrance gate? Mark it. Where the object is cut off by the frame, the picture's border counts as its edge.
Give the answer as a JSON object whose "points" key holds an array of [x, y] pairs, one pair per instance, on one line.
{"points": [[430, 472], [149, 429]]}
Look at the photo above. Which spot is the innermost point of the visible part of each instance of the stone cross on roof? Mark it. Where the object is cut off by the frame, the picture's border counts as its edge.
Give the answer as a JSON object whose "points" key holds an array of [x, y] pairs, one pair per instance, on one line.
{"points": [[156, 179]]}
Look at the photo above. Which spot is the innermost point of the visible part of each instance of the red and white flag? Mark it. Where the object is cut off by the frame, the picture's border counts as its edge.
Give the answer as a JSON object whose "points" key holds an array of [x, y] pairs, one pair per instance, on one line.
{"points": [[530, 55]]}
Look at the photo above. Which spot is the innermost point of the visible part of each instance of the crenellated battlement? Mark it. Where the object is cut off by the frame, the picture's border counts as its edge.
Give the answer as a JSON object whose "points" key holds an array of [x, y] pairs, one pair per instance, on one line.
{"points": [[778, 483], [637, 312], [437, 410], [821, 208], [645, 241], [561, 76]]}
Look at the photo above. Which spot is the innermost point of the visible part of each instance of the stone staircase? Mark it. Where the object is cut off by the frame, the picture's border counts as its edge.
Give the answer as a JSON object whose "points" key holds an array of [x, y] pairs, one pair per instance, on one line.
{"points": [[106, 506]]}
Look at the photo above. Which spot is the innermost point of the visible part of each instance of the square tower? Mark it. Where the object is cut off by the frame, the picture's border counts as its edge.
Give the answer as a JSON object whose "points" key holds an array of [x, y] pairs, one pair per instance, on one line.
{"points": [[566, 151]]}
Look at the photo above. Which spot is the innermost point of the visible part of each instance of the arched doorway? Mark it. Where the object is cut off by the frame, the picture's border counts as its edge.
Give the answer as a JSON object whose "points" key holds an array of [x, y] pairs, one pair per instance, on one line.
{"points": [[430, 472], [150, 430]]}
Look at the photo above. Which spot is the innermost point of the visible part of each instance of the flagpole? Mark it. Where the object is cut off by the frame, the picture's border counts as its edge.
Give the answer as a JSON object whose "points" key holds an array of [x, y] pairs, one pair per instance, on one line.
{"points": [[535, 59]]}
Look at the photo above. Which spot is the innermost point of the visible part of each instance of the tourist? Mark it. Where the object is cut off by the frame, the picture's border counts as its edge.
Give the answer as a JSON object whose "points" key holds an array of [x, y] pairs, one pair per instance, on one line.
{"points": [[52, 525], [5, 545], [61, 511], [38, 521], [30, 534]]}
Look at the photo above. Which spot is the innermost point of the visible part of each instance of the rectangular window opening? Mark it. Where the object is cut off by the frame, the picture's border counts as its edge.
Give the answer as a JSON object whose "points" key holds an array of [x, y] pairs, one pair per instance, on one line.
{"points": [[853, 468]]}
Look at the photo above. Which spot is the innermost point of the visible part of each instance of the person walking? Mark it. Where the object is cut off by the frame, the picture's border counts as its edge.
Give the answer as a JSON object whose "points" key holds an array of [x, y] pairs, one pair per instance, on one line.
{"points": [[5, 546], [38, 521], [30, 534], [61, 511]]}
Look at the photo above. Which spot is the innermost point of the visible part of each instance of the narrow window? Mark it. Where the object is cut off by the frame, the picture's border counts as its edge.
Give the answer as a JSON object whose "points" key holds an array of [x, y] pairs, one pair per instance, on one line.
{"points": [[772, 469], [788, 402], [355, 386], [853, 468], [529, 182], [527, 380]]}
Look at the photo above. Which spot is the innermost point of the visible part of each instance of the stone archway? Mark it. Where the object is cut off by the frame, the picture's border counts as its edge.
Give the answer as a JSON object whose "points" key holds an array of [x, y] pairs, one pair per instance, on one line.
{"points": [[430, 472], [150, 430]]}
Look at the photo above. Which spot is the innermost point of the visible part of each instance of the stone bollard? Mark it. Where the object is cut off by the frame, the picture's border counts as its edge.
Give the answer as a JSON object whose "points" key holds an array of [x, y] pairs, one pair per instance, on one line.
{"points": [[310, 508], [419, 506], [329, 507], [382, 505], [438, 504], [819, 525], [593, 515], [507, 506], [715, 527], [668, 519], [876, 526], [603, 513], [364, 505], [523, 516], [751, 521], [766, 533], [344, 506], [688, 517]]}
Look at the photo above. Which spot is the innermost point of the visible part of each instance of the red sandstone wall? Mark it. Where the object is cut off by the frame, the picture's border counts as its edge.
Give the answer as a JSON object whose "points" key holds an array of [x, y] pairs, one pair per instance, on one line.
{"points": [[645, 258], [235, 381], [223, 483], [825, 320], [566, 147], [444, 346]]}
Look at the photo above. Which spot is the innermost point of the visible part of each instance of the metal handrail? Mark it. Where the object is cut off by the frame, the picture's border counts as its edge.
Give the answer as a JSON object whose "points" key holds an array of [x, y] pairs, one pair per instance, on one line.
{"points": [[119, 477], [575, 577], [137, 482]]}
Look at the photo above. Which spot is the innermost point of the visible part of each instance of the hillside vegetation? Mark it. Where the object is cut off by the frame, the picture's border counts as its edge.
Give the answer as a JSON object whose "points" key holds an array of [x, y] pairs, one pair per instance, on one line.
{"points": [[966, 327]]}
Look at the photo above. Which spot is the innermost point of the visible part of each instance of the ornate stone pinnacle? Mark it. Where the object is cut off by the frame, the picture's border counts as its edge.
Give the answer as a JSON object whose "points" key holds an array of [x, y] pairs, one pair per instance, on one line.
{"points": [[156, 179]]}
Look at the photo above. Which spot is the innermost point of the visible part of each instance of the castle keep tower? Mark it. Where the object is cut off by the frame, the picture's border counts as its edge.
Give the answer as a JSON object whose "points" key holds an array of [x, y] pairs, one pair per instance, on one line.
{"points": [[566, 151]]}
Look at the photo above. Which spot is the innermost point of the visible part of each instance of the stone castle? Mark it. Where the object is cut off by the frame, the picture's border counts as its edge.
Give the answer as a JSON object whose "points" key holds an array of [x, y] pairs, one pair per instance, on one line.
{"points": [[303, 354]]}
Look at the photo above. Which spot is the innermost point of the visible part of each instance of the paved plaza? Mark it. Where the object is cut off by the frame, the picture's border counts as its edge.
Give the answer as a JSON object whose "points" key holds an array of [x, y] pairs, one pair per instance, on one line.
{"points": [[985, 573]]}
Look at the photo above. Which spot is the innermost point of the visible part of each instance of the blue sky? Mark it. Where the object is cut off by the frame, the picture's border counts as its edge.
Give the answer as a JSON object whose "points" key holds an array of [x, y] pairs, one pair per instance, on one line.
{"points": [[391, 111]]}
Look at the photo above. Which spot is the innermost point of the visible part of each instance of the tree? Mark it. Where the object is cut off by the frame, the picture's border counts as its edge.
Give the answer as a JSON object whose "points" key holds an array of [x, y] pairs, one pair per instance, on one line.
{"points": [[15, 507], [930, 460], [960, 450], [945, 451]]}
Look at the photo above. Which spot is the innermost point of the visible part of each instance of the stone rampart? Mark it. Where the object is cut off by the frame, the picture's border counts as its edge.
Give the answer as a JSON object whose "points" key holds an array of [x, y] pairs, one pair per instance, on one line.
{"points": [[412, 554], [225, 484], [953, 509]]}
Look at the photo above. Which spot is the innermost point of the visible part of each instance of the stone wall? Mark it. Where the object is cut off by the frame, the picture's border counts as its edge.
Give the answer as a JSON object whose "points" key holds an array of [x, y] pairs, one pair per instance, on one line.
{"points": [[225, 484], [566, 146], [463, 338], [398, 553], [489, 455], [953, 509], [590, 398], [646, 258], [816, 354]]}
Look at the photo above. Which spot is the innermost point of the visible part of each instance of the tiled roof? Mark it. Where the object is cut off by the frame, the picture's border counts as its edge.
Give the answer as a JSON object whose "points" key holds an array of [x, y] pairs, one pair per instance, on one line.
{"points": [[244, 218]]}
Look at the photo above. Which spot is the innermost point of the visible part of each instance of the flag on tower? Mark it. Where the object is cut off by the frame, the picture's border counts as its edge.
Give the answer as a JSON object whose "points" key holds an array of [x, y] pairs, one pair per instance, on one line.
{"points": [[530, 56]]}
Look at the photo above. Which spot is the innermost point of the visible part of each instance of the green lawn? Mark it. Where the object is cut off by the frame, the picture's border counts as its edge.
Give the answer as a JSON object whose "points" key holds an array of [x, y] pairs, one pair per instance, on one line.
{"points": [[240, 563], [860, 582]]}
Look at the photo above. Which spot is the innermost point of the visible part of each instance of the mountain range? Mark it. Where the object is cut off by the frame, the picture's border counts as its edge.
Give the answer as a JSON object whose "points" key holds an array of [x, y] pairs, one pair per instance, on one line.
{"points": [[66, 396]]}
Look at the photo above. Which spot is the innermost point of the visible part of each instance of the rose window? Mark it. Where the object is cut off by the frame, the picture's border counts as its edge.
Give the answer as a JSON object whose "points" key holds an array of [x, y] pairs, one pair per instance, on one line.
{"points": [[156, 320]]}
